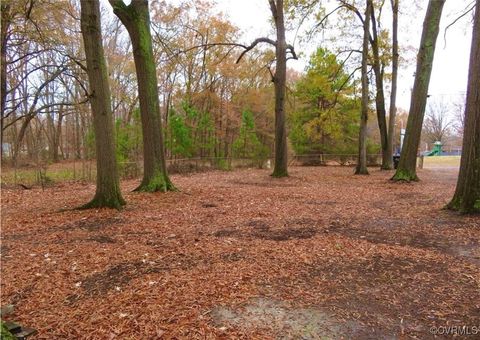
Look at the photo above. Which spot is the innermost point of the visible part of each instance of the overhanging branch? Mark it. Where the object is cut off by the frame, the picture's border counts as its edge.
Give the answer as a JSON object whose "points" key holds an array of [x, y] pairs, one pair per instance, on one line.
{"points": [[255, 43]]}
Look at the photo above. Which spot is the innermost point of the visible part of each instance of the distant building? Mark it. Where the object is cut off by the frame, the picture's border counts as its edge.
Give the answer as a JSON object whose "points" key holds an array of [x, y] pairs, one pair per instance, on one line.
{"points": [[6, 149]]}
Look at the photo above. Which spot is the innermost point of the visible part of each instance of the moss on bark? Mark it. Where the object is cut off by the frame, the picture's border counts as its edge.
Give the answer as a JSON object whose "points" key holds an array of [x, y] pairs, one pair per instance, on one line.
{"points": [[158, 182], [456, 204], [108, 192], [136, 19], [405, 176]]}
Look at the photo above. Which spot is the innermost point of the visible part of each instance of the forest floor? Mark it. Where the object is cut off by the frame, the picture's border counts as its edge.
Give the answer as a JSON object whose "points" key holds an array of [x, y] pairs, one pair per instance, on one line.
{"points": [[321, 254]]}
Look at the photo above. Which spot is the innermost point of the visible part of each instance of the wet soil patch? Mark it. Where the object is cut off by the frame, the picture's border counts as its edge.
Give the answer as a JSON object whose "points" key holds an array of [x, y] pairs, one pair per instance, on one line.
{"points": [[285, 321]]}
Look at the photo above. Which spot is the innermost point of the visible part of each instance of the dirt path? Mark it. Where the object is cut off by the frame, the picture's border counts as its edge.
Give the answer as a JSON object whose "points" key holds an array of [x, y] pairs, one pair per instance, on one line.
{"points": [[322, 254]]}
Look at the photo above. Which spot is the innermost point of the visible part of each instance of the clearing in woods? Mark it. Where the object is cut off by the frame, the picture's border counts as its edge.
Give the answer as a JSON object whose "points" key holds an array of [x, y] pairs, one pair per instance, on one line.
{"points": [[321, 254]]}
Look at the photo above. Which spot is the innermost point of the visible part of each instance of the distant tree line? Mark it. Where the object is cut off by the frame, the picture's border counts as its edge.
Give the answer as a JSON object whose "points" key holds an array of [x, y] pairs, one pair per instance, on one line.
{"points": [[169, 81]]}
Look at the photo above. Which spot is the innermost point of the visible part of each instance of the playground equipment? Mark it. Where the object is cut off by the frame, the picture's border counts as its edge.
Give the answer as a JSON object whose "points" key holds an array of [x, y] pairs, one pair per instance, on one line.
{"points": [[436, 151]]}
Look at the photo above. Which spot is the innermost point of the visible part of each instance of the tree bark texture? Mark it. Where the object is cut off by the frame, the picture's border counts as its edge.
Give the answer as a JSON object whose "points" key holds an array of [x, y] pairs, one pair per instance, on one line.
{"points": [[406, 170], [136, 18], [108, 187], [467, 193], [362, 140], [393, 93], [280, 79]]}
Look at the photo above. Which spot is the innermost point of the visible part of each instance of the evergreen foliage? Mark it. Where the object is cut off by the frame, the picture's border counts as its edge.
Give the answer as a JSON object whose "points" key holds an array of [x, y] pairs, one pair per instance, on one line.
{"points": [[327, 117]]}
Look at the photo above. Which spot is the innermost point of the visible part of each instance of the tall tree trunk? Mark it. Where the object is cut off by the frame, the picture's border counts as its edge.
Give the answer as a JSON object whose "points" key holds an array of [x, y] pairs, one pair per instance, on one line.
{"points": [[467, 193], [406, 170], [393, 94], [77, 143], [280, 79], [21, 134], [380, 94], [108, 187], [226, 146], [57, 137], [5, 24], [362, 140], [50, 130], [136, 18]]}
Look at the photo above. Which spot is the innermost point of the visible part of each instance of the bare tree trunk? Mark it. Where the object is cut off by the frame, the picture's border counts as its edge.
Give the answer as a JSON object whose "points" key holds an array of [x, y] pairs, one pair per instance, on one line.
{"points": [[406, 170], [393, 94], [362, 142], [5, 9], [226, 146], [77, 140], [30, 140], [467, 193], [50, 131], [57, 136], [21, 134], [280, 79], [380, 94], [108, 187], [136, 18]]}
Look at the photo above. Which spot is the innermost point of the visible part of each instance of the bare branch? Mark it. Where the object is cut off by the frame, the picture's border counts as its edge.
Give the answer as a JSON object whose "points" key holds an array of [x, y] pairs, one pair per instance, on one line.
{"points": [[32, 111], [353, 9], [291, 49], [472, 4], [255, 43]]}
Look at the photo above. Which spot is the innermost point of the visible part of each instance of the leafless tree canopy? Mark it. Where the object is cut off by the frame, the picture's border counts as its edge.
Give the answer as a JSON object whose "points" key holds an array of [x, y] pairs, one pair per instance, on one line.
{"points": [[438, 125]]}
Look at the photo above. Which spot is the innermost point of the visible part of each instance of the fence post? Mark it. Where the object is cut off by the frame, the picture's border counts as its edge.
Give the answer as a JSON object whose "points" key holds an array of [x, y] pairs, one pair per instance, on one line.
{"points": [[420, 162]]}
